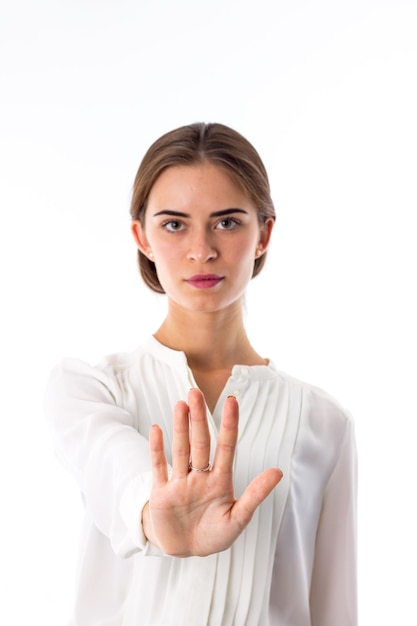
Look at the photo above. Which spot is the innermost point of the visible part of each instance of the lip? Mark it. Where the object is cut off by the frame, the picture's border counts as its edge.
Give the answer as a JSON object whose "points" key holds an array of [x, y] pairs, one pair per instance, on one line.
{"points": [[204, 281]]}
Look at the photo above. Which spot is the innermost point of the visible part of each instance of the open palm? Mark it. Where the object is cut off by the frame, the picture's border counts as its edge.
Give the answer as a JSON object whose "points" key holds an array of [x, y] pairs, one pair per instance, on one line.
{"points": [[195, 513]]}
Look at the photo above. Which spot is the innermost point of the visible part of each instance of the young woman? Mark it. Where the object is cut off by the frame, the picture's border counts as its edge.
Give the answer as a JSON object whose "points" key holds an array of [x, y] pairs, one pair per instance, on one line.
{"points": [[218, 491]]}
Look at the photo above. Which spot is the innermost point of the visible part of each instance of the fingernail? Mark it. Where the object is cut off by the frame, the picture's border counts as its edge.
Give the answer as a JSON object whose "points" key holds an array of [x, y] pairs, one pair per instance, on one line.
{"points": [[232, 396]]}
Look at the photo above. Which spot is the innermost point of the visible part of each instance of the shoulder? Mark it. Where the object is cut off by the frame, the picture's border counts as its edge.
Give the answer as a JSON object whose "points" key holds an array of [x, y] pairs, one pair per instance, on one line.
{"points": [[317, 400], [323, 420], [73, 376], [107, 366], [115, 372]]}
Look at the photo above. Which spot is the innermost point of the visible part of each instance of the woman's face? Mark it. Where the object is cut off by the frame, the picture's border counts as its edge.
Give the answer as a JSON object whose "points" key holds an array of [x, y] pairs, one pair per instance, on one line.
{"points": [[203, 234]]}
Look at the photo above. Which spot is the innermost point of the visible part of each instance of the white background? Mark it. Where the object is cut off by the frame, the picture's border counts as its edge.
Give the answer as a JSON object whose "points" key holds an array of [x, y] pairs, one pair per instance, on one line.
{"points": [[326, 91]]}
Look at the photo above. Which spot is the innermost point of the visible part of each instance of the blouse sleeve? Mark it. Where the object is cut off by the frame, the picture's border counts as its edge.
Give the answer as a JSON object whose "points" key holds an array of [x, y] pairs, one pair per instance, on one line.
{"points": [[96, 440], [333, 597]]}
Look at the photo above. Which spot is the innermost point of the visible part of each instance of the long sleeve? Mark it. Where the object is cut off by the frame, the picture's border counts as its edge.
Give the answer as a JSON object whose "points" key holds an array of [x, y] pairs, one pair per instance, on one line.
{"points": [[96, 440], [333, 586], [295, 562]]}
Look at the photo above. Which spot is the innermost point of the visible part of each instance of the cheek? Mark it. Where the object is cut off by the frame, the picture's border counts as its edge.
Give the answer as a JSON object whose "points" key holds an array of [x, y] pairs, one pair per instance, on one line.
{"points": [[242, 258], [243, 250], [166, 257], [165, 252]]}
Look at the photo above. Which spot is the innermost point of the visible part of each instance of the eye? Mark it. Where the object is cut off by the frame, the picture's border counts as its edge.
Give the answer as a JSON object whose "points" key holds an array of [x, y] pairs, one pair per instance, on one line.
{"points": [[173, 226], [228, 223]]}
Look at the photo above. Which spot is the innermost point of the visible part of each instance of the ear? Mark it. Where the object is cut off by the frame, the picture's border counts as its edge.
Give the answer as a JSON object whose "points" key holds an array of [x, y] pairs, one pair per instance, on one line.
{"points": [[140, 238], [265, 236]]}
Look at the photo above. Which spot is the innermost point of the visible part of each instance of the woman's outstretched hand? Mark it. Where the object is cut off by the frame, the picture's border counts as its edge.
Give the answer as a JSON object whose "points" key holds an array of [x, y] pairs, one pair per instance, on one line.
{"points": [[195, 513]]}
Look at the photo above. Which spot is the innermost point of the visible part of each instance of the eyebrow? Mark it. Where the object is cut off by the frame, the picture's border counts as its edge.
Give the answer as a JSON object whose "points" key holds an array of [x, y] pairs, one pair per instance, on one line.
{"points": [[214, 214]]}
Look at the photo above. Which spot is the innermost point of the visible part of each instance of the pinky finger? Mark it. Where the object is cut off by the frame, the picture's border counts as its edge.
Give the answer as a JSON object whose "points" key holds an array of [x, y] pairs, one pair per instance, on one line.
{"points": [[158, 458]]}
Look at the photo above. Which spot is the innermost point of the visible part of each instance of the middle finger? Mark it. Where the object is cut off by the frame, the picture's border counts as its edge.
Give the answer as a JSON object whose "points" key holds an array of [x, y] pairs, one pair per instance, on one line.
{"points": [[200, 435]]}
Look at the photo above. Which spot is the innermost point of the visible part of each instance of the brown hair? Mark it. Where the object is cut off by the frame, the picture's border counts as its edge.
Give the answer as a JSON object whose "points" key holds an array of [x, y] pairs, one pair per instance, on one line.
{"points": [[196, 143]]}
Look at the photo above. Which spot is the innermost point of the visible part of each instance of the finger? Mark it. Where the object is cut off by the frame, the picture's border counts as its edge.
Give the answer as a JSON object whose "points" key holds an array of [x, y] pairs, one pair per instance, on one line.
{"points": [[158, 458], [227, 439], [200, 435], [181, 440], [255, 494]]}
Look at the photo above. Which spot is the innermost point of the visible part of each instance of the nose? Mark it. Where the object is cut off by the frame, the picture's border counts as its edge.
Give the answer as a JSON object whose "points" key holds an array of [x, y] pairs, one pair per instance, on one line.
{"points": [[201, 249]]}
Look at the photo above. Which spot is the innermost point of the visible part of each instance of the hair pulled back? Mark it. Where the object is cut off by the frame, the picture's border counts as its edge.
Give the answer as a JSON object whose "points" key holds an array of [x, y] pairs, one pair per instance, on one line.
{"points": [[193, 144]]}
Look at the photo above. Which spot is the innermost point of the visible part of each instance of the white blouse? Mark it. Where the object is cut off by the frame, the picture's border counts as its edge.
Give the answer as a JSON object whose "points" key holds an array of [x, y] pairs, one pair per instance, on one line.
{"points": [[295, 563]]}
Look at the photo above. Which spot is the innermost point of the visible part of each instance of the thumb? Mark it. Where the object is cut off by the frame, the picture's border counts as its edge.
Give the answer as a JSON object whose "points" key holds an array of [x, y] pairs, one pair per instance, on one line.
{"points": [[254, 494]]}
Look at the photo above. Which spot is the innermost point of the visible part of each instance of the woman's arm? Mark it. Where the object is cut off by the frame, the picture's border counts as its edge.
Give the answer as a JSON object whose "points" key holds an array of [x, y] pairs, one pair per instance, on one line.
{"points": [[333, 597], [190, 513], [96, 441]]}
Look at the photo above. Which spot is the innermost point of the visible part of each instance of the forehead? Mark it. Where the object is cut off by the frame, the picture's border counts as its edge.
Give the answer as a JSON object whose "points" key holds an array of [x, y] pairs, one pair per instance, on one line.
{"points": [[197, 184]]}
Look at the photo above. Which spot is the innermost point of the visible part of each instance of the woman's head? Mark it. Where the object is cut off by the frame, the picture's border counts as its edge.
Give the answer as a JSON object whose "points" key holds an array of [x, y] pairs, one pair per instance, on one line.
{"points": [[198, 143]]}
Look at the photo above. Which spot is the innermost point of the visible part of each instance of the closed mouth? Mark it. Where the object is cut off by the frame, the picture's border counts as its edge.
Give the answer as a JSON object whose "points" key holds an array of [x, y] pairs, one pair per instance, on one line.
{"points": [[204, 281]]}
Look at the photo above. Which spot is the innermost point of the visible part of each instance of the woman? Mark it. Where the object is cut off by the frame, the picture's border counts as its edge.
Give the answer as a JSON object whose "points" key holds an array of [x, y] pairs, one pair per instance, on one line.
{"points": [[199, 526]]}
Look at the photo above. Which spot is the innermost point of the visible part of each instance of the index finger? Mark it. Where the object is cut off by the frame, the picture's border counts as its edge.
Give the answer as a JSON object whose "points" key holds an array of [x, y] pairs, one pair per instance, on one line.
{"points": [[158, 458], [227, 439]]}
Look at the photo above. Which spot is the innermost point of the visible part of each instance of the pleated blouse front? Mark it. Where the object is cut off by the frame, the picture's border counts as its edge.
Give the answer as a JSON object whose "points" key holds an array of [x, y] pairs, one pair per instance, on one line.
{"points": [[280, 571]]}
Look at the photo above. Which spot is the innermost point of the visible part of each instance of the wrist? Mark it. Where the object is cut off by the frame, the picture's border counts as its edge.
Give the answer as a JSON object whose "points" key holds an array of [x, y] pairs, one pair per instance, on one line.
{"points": [[147, 524]]}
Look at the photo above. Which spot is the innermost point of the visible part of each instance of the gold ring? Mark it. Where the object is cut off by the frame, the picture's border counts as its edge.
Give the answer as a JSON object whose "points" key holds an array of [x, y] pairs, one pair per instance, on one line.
{"points": [[199, 469]]}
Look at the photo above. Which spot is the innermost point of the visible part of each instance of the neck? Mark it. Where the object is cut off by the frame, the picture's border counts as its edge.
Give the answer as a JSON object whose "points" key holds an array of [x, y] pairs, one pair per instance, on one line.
{"points": [[210, 340]]}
